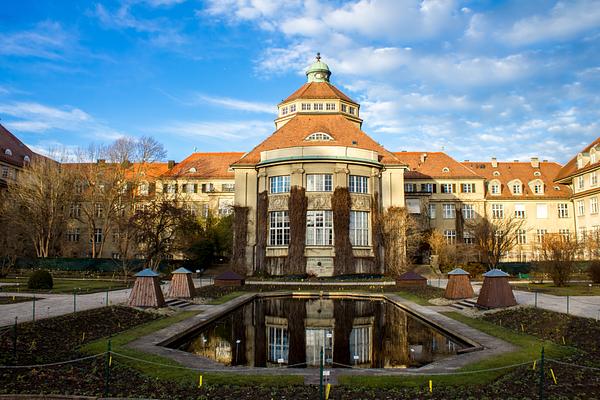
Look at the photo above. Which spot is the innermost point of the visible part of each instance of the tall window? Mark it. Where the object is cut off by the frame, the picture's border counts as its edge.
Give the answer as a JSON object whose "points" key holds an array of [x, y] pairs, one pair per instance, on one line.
{"points": [[279, 184], [431, 211], [468, 211], [278, 339], [521, 236], [344, 108], [284, 111], [358, 184], [468, 188], [447, 188], [5, 172], [563, 210], [516, 188], [279, 228], [450, 236], [495, 188], [540, 235], [594, 205], [564, 233], [319, 228], [360, 345], [351, 110], [581, 233], [593, 179], [538, 188], [319, 183], [580, 207], [359, 228], [144, 189], [497, 211], [75, 210], [520, 211], [449, 211], [468, 237], [73, 235], [580, 182], [98, 210], [98, 235], [293, 108]]}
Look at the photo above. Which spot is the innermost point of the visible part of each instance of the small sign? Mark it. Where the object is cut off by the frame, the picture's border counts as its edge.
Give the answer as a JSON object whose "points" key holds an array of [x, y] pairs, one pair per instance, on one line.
{"points": [[326, 373], [280, 360], [356, 357]]}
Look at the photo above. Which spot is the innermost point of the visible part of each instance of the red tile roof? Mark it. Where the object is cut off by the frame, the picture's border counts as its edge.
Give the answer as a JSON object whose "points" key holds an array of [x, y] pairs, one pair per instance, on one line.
{"points": [[19, 149], [570, 168], [318, 90], [207, 165], [294, 133], [523, 171], [433, 165]]}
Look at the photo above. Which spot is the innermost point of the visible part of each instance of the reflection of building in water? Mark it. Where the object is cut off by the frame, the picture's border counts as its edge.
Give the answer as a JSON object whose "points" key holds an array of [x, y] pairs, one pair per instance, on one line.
{"points": [[287, 331]]}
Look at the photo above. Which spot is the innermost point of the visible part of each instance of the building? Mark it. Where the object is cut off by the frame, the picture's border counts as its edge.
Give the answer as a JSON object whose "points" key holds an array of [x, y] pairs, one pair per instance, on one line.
{"points": [[14, 154]]}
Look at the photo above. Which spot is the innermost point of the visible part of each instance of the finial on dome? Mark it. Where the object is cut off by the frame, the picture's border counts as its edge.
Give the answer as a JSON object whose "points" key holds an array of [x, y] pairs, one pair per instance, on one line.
{"points": [[318, 56]]}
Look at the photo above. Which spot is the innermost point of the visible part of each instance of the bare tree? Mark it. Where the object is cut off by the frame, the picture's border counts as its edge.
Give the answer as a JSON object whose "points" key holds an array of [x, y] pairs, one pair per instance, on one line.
{"points": [[558, 253], [441, 248], [494, 238], [401, 234]]}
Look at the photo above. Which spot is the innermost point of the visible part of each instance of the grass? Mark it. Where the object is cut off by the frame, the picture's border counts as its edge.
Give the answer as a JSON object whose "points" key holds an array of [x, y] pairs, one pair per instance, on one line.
{"points": [[184, 376], [573, 289], [14, 299], [65, 286], [226, 298], [529, 350], [414, 297]]}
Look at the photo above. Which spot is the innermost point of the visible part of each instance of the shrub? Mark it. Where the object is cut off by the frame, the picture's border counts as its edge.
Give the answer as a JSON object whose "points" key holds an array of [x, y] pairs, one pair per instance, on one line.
{"points": [[40, 280], [594, 271]]}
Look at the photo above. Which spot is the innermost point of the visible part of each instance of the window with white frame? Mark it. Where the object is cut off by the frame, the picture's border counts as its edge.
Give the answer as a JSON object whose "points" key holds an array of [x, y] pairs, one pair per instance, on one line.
{"points": [[359, 228], [410, 187], [351, 110], [450, 236], [73, 235], [538, 188], [432, 211], [541, 211], [516, 188], [279, 228], [413, 206], [144, 188], [581, 234], [4, 172], [468, 237], [468, 187], [580, 207], [594, 205], [427, 187], [98, 235], [580, 182], [8, 152], [360, 344], [190, 208], [279, 184], [358, 184], [540, 233], [344, 108], [75, 210], [225, 207], [319, 228], [318, 106], [319, 183], [98, 210], [190, 188], [449, 211], [563, 210], [521, 236], [594, 179], [495, 188], [565, 234], [447, 188], [593, 157], [305, 106], [467, 211], [284, 111], [116, 235], [171, 188], [228, 187], [293, 108], [318, 137], [330, 106], [497, 211], [520, 211], [278, 340]]}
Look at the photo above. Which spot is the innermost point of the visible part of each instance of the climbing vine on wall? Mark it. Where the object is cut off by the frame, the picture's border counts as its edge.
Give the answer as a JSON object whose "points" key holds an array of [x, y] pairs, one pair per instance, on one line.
{"points": [[240, 239], [297, 205], [376, 233], [344, 259], [261, 232]]}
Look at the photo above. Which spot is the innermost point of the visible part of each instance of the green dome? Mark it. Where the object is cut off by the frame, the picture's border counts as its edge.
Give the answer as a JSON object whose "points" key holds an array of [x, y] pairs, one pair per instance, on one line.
{"points": [[318, 71]]}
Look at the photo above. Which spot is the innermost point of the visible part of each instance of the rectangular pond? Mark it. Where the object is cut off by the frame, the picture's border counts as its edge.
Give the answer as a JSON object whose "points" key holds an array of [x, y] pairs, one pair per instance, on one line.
{"points": [[292, 332]]}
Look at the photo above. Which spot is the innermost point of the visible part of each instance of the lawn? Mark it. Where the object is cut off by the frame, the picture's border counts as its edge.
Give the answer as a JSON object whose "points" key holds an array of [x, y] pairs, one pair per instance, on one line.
{"points": [[573, 289], [14, 299], [65, 286]]}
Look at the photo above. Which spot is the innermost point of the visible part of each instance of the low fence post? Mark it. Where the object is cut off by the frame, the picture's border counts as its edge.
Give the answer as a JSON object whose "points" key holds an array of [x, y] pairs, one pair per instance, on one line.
{"points": [[74, 300], [106, 297], [567, 304], [15, 341], [33, 310], [535, 295], [107, 369], [542, 375]]}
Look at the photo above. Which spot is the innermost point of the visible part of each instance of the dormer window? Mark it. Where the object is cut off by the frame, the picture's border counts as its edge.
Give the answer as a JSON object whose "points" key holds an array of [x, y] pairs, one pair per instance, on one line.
{"points": [[330, 106], [305, 106], [580, 162], [538, 187], [593, 157], [318, 106], [26, 159], [446, 169], [516, 188], [495, 188], [284, 111], [318, 136], [8, 152], [351, 110], [496, 173], [293, 108], [344, 108], [192, 170], [537, 173]]}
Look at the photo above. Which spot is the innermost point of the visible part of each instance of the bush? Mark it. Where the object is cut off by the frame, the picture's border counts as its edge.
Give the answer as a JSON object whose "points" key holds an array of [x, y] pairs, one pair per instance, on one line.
{"points": [[40, 280], [594, 271]]}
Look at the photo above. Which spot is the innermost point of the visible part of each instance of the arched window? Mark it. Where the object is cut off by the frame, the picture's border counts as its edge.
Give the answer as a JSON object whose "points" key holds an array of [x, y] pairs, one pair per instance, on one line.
{"points": [[26, 159], [8, 152], [496, 173], [192, 170], [537, 173], [445, 169], [319, 136]]}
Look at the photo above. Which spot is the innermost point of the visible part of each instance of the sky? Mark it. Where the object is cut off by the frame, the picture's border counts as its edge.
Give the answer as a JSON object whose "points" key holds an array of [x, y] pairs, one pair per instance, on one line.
{"points": [[477, 79]]}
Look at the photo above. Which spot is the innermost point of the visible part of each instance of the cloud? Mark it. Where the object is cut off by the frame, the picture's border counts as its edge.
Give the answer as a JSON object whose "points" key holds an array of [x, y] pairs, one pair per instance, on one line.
{"points": [[163, 3], [47, 40], [223, 130], [236, 104]]}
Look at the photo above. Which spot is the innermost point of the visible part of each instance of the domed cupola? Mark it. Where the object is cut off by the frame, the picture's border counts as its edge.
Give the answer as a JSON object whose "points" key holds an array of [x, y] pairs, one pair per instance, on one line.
{"points": [[318, 71]]}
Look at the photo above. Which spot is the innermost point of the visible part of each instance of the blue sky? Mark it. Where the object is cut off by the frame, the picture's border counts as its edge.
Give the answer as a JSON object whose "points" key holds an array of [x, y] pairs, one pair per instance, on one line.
{"points": [[511, 79]]}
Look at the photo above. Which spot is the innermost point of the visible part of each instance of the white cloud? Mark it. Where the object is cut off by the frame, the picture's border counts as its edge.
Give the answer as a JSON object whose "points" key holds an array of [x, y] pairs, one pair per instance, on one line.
{"points": [[236, 104], [228, 130], [47, 40]]}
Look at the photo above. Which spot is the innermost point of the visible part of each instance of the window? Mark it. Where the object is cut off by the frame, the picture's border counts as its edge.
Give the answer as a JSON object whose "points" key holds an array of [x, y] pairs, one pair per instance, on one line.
{"points": [[520, 211], [284, 111], [358, 184], [593, 157], [359, 228], [581, 234], [206, 188], [542, 211], [563, 210], [98, 235], [467, 211], [516, 188], [98, 210], [449, 211], [450, 236], [5, 172], [540, 233], [305, 106], [318, 106], [564, 234], [316, 340], [278, 339], [580, 182], [521, 236], [73, 235], [413, 206], [190, 208], [228, 187], [360, 345], [447, 188], [410, 187], [319, 182], [330, 106], [497, 211], [318, 136], [351, 110], [143, 189], [193, 170], [116, 235], [171, 188], [593, 179], [225, 207], [293, 108], [26, 159], [468, 238], [432, 211], [279, 228], [115, 256], [428, 187], [344, 108], [191, 188], [495, 188], [205, 210], [279, 184], [580, 208], [75, 210], [468, 188], [319, 228], [8, 152], [594, 205]]}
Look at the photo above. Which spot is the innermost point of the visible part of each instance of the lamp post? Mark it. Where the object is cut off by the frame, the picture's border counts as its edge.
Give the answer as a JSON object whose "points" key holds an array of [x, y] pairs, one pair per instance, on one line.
{"points": [[237, 348]]}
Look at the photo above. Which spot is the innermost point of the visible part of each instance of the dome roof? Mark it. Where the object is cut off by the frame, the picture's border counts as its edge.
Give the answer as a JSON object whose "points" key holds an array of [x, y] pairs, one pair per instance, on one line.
{"points": [[318, 71]]}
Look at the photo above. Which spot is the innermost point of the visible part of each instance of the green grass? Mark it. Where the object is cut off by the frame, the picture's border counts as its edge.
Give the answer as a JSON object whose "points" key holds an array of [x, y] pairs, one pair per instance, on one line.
{"points": [[226, 298], [119, 342], [573, 289], [529, 350], [65, 286], [415, 298]]}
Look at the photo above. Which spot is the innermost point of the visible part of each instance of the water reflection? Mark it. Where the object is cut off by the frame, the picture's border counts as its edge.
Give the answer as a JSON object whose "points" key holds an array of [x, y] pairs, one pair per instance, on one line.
{"points": [[277, 332]]}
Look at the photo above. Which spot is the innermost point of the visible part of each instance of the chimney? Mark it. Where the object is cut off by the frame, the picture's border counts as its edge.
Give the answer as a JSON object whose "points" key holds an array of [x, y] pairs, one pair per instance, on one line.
{"points": [[494, 162], [101, 161], [535, 162], [171, 164], [423, 157]]}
